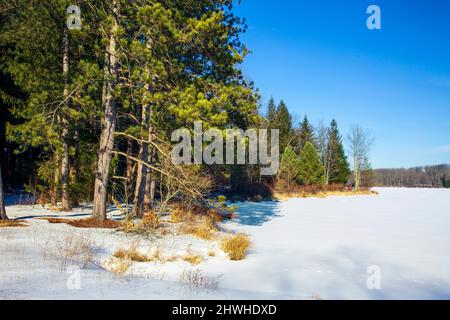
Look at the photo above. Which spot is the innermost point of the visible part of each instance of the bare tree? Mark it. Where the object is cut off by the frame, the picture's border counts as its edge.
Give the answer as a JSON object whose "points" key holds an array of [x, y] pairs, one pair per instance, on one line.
{"points": [[359, 144], [3, 215], [428, 176], [322, 148]]}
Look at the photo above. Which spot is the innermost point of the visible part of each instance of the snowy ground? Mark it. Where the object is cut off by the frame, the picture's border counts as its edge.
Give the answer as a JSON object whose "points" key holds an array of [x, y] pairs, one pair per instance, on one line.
{"points": [[301, 249]]}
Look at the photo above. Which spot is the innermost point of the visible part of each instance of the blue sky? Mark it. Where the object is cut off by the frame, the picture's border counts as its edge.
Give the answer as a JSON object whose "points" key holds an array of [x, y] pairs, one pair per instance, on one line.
{"points": [[320, 58]]}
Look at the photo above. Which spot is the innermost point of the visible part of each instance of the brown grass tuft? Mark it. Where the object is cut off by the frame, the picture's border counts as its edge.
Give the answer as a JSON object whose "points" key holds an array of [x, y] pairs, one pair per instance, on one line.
{"points": [[86, 223], [235, 246], [215, 215], [211, 253], [119, 266], [178, 215], [203, 229], [12, 223], [193, 258], [151, 220], [133, 255]]}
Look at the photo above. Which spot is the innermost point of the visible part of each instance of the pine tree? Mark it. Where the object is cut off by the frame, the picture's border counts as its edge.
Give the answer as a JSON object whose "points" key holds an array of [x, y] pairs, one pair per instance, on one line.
{"points": [[284, 121], [272, 114], [158, 48], [289, 166], [337, 169], [305, 134], [310, 167], [37, 60], [109, 120], [367, 174]]}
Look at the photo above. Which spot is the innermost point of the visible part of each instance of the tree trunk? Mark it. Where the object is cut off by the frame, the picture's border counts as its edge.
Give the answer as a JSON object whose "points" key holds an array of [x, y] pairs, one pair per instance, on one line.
{"points": [[108, 124], [143, 179], [356, 173], [3, 215], [129, 172], [139, 190], [56, 179], [65, 169], [74, 167], [149, 195]]}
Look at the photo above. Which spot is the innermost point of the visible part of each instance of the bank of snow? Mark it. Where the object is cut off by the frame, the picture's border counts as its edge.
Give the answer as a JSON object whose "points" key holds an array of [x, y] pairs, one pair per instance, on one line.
{"points": [[301, 248]]}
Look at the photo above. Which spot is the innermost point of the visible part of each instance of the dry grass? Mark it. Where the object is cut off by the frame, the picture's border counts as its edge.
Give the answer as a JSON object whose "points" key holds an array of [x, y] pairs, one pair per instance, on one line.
{"points": [[178, 215], [133, 255], [119, 266], [151, 220], [215, 216], [193, 258], [323, 194], [235, 246], [149, 224], [12, 223], [196, 279], [73, 249], [86, 223], [211, 253], [203, 229]]}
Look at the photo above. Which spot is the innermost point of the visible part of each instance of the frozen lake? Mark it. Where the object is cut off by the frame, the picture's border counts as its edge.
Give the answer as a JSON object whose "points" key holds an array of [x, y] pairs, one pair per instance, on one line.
{"points": [[324, 247]]}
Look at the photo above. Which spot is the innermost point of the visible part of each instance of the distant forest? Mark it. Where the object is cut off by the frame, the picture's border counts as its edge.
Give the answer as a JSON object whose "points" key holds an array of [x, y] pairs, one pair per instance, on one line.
{"points": [[427, 176]]}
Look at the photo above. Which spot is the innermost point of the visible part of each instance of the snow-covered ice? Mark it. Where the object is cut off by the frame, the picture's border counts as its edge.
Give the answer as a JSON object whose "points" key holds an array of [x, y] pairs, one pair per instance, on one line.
{"points": [[301, 249]]}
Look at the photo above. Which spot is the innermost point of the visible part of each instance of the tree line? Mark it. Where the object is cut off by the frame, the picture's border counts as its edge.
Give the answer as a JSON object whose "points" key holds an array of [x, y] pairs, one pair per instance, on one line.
{"points": [[316, 156], [427, 176], [88, 113]]}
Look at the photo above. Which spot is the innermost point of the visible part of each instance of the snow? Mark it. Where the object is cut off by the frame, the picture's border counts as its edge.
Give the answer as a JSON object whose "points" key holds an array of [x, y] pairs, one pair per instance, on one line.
{"points": [[301, 249]]}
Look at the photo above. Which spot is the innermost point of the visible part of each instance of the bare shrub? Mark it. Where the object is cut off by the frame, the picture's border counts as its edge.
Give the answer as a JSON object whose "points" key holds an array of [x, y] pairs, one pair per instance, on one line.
{"points": [[74, 249], [197, 279]]}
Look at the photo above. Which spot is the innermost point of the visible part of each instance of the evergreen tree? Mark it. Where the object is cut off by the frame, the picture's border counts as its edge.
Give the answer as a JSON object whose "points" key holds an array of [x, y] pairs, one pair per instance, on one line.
{"points": [[176, 64], [310, 167], [305, 134], [337, 168], [57, 104], [367, 174], [284, 121], [272, 115], [289, 166]]}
